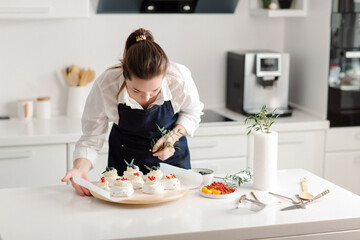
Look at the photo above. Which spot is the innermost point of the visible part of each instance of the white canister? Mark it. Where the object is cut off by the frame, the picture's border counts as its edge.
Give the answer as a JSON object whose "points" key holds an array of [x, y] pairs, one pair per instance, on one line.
{"points": [[76, 101], [25, 108], [43, 108], [265, 161]]}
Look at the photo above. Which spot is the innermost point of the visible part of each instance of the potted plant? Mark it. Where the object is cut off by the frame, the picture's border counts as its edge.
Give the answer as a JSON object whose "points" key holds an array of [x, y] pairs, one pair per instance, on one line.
{"points": [[265, 149]]}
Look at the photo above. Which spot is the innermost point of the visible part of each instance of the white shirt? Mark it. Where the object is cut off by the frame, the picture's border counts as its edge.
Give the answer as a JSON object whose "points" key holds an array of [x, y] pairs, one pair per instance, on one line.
{"points": [[102, 106]]}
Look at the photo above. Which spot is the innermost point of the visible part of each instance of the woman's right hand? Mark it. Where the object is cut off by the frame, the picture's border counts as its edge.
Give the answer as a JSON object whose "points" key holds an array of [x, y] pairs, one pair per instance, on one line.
{"points": [[81, 169]]}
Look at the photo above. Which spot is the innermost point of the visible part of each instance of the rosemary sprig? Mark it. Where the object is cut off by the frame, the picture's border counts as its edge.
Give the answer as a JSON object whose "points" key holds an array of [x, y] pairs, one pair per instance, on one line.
{"points": [[166, 134], [107, 169], [153, 168], [262, 121], [236, 179], [131, 164]]}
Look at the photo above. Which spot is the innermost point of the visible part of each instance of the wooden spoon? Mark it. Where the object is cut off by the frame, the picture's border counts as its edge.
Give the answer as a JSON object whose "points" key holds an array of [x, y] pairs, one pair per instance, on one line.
{"points": [[305, 195]]}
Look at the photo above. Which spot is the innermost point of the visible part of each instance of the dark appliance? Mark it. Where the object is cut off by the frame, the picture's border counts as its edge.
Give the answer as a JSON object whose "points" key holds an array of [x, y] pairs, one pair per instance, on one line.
{"points": [[344, 69], [257, 78]]}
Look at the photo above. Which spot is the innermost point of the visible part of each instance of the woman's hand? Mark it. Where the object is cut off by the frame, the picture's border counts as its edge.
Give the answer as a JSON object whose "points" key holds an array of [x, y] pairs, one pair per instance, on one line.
{"points": [[165, 153], [164, 147], [81, 169]]}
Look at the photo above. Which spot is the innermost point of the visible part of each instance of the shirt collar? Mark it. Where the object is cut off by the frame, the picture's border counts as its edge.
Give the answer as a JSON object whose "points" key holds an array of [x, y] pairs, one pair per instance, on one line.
{"points": [[164, 95]]}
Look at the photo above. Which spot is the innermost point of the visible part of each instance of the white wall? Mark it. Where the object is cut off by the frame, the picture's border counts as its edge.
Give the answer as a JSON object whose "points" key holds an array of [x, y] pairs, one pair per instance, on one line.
{"points": [[32, 52], [308, 42]]}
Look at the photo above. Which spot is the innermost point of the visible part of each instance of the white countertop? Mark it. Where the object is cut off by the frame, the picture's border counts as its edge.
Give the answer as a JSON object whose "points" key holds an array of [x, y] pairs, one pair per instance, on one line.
{"points": [[59, 213], [60, 129]]}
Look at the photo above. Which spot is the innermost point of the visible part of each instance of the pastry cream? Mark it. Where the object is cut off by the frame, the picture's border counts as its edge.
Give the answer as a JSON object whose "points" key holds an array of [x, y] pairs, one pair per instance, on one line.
{"points": [[122, 188], [152, 186]]}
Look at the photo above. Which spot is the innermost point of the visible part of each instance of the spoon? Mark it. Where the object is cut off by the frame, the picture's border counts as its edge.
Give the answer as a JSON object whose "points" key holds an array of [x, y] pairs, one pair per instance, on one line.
{"points": [[305, 195], [252, 205], [292, 200]]}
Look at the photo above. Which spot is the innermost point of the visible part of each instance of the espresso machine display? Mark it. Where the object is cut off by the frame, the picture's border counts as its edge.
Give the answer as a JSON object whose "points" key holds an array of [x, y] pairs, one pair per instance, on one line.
{"points": [[255, 79]]}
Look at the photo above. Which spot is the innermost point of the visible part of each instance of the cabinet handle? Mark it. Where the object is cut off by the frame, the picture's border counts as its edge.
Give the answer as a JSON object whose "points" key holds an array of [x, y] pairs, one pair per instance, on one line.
{"points": [[16, 155], [24, 10], [204, 144], [293, 140], [352, 54]]}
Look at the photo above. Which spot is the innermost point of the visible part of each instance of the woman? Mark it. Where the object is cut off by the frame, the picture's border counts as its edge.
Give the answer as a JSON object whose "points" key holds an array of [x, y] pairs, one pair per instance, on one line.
{"points": [[144, 92]]}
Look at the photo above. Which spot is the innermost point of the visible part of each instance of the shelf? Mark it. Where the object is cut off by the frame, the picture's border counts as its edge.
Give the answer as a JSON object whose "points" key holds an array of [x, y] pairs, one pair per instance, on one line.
{"points": [[298, 9], [44, 9]]}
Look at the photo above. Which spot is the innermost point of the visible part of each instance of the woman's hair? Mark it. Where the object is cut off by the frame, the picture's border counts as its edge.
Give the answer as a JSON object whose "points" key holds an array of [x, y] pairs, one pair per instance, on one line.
{"points": [[143, 57]]}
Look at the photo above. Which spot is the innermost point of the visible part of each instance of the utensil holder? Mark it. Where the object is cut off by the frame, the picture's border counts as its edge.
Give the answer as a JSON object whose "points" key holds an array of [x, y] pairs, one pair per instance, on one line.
{"points": [[76, 101]]}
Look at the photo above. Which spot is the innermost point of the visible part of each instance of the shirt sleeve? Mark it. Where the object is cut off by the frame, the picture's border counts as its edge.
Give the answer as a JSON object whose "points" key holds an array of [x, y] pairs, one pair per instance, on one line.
{"points": [[94, 126], [189, 102]]}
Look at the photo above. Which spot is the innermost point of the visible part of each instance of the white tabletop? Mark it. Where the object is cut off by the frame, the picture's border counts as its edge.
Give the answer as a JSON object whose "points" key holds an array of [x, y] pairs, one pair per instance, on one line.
{"points": [[59, 213]]}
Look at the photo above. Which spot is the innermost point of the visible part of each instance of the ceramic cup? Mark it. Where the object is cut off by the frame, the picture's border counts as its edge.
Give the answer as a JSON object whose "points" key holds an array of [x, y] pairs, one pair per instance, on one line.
{"points": [[76, 101], [25, 109], [207, 175]]}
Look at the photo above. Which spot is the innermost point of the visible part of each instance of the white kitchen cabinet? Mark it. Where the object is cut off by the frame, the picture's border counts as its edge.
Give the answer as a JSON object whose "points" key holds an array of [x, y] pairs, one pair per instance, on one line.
{"points": [[25, 9], [100, 165], [343, 169], [302, 149], [212, 148], [215, 146], [32, 166], [342, 160], [222, 165], [223, 149]]}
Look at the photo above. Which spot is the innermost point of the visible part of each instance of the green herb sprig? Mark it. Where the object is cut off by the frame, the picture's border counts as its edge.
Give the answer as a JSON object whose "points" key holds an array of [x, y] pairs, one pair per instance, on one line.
{"points": [[237, 179], [153, 168], [131, 164], [166, 134], [261, 121], [107, 169]]}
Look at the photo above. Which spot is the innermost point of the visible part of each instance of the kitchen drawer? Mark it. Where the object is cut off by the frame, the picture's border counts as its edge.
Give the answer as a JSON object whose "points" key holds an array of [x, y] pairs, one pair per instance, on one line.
{"points": [[341, 139], [343, 169], [221, 165], [100, 164], [302, 150], [32, 166], [222, 146]]}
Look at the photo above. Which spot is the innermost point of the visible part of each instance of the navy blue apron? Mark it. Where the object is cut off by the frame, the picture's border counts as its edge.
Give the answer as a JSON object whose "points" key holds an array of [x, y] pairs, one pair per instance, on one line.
{"points": [[131, 137]]}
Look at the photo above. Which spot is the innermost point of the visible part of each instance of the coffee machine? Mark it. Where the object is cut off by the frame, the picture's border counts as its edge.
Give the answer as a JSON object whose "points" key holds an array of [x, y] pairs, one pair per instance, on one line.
{"points": [[257, 78]]}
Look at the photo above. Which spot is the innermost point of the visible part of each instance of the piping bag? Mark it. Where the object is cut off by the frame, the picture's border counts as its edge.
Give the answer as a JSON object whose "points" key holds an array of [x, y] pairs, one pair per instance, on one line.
{"points": [[188, 178]]}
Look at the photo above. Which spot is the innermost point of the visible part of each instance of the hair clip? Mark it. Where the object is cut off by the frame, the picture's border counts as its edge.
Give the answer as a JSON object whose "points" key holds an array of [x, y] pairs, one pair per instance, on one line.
{"points": [[140, 38]]}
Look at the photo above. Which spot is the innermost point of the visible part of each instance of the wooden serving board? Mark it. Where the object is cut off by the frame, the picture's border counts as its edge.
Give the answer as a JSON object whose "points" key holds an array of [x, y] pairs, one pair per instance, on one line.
{"points": [[142, 198]]}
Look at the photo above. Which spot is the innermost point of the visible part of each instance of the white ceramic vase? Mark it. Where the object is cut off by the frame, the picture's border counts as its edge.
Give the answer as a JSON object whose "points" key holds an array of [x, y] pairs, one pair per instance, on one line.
{"points": [[76, 101], [265, 161]]}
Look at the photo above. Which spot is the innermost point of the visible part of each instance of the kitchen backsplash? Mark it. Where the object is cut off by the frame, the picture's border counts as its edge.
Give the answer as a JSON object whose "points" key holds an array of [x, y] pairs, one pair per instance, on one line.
{"points": [[32, 52]]}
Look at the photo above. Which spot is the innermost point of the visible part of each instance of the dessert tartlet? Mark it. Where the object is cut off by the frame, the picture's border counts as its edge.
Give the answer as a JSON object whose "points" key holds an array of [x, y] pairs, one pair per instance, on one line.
{"points": [[122, 188], [154, 171], [110, 175], [131, 169], [152, 186], [103, 183], [171, 182], [136, 180]]}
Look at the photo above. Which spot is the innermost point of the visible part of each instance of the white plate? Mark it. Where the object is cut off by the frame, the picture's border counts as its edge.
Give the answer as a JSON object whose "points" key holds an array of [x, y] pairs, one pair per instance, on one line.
{"points": [[218, 196]]}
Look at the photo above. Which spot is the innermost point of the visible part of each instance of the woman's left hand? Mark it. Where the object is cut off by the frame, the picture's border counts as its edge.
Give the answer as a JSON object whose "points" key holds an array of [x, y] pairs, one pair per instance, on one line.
{"points": [[167, 152]]}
